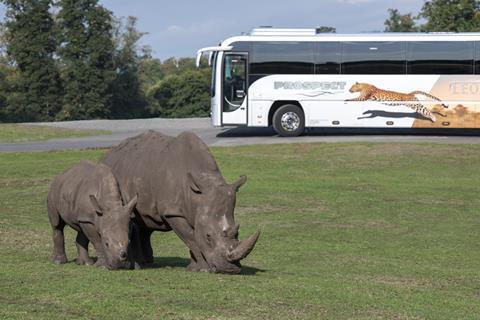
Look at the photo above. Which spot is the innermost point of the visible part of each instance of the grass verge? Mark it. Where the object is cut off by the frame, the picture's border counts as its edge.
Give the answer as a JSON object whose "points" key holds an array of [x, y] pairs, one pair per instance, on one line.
{"points": [[13, 133], [350, 231]]}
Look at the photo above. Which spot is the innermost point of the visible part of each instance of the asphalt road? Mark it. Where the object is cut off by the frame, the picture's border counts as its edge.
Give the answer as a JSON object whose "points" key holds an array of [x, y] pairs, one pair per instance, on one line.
{"points": [[234, 136]]}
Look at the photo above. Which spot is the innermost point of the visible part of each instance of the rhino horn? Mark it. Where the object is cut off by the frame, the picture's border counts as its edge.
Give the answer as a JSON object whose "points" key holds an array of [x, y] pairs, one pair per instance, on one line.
{"points": [[243, 248]]}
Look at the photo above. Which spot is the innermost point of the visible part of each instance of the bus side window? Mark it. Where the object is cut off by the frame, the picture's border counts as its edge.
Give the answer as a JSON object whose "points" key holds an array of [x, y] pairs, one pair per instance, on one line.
{"points": [[373, 58], [282, 58], [477, 57], [327, 58], [440, 57]]}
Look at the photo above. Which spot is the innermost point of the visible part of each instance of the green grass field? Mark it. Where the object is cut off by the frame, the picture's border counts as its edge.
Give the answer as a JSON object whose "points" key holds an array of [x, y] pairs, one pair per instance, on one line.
{"points": [[350, 231], [11, 133]]}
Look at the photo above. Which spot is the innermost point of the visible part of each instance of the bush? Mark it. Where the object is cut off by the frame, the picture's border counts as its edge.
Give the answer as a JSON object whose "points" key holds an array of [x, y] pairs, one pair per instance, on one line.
{"points": [[181, 95]]}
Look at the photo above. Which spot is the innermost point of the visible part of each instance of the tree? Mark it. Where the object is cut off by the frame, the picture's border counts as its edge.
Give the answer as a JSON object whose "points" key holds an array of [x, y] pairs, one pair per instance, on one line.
{"points": [[4, 73], [325, 29], [3, 42], [31, 46], [451, 15], [5, 113], [149, 70], [400, 22], [440, 16], [177, 65], [128, 97], [87, 52]]}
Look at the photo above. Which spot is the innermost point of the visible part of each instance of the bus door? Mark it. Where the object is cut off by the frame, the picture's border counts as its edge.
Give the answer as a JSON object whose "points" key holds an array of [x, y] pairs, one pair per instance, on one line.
{"points": [[234, 89]]}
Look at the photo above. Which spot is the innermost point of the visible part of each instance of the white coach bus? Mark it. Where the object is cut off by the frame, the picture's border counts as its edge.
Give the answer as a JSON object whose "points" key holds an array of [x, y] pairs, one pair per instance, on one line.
{"points": [[296, 78]]}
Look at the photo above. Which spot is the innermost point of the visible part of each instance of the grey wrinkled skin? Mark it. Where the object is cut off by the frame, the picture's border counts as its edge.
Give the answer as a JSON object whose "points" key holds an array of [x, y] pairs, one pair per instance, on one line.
{"points": [[180, 188], [86, 197]]}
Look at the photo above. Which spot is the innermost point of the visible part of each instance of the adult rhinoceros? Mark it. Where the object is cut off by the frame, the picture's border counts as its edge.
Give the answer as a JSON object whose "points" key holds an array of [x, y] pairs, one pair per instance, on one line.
{"points": [[180, 188]]}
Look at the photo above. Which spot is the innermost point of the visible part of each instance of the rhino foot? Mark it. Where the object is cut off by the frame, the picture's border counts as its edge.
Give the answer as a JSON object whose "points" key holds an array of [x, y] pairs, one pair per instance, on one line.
{"points": [[198, 267], [84, 261], [59, 259], [100, 263]]}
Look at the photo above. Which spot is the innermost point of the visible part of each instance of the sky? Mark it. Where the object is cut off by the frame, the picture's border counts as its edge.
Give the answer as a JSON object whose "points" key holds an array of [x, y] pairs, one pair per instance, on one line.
{"points": [[179, 28]]}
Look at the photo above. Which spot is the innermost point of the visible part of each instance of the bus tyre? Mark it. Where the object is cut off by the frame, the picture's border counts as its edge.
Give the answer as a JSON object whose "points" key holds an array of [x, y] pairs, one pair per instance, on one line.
{"points": [[289, 121]]}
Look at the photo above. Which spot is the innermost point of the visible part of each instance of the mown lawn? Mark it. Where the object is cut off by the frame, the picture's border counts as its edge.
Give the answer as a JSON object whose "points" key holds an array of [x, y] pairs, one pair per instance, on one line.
{"points": [[11, 133], [350, 231]]}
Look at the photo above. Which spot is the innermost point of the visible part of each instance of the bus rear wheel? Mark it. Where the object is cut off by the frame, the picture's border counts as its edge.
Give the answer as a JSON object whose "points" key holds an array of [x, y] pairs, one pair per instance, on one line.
{"points": [[289, 121]]}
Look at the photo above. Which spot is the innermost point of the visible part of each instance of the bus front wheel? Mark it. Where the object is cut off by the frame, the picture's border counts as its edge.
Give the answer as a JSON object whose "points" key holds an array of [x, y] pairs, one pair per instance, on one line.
{"points": [[289, 121]]}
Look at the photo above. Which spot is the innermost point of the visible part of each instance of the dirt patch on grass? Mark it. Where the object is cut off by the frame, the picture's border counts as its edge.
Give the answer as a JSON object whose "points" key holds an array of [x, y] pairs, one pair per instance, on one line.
{"points": [[383, 314], [332, 224], [22, 182], [41, 304], [23, 240], [407, 283], [263, 208], [308, 205]]}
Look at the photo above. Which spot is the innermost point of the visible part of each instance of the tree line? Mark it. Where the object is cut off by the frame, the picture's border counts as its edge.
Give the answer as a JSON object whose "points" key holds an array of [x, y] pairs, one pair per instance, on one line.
{"points": [[74, 60], [437, 16]]}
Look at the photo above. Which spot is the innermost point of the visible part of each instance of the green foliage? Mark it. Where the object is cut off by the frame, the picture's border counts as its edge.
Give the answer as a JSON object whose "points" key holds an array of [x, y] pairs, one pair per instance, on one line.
{"points": [[5, 71], [181, 95], [129, 99], [95, 66], [87, 52], [37, 89], [451, 15], [150, 71], [440, 16], [397, 22], [349, 231], [175, 66], [325, 29]]}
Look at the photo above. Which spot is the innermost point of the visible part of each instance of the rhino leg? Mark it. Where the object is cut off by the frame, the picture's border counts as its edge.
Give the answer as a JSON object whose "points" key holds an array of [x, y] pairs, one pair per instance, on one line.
{"points": [[197, 264], [135, 248], [58, 256], [93, 236], [185, 232], [146, 244], [82, 250]]}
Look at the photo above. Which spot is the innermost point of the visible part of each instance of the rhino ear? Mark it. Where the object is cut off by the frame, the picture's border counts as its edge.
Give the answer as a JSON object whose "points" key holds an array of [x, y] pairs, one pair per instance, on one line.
{"points": [[193, 184], [240, 182], [96, 205], [131, 206]]}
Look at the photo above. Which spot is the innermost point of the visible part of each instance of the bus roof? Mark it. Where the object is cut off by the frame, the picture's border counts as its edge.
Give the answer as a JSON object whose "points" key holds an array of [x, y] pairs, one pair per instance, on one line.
{"points": [[312, 34]]}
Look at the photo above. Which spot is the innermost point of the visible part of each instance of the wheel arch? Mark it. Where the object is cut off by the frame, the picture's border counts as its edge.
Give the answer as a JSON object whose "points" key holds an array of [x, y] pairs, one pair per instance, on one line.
{"points": [[277, 104]]}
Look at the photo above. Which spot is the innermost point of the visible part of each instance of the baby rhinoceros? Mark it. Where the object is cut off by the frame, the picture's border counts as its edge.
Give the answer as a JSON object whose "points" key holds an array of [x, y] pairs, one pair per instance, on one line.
{"points": [[87, 198]]}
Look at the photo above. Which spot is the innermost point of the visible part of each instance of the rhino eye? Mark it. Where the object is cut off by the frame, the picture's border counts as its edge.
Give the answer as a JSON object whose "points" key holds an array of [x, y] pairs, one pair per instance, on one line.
{"points": [[106, 244], [209, 238]]}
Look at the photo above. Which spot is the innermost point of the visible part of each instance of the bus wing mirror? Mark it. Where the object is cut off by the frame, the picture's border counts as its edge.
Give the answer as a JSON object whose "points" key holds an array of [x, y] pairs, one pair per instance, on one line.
{"points": [[210, 59], [199, 58], [211, 50]]}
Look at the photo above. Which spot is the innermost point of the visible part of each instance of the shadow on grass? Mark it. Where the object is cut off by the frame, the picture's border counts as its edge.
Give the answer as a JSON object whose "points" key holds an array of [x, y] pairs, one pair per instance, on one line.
{"points": [[168, 262], [176, 262], [173, 262]]}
